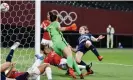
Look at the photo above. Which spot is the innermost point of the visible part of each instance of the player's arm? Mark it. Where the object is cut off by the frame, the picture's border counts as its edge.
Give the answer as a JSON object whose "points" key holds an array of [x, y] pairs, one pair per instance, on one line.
{"points": [[73, 27], [97, 39], [43, 26], [11, 69]]}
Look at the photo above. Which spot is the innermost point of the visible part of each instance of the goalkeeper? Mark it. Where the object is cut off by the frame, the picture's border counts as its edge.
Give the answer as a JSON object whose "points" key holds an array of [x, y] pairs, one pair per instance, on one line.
{"points": [[46, 37], [60, 45]]}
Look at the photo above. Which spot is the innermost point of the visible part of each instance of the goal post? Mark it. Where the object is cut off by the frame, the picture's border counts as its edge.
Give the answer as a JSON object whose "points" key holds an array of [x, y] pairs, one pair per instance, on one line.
{"points": [[37, 28]]}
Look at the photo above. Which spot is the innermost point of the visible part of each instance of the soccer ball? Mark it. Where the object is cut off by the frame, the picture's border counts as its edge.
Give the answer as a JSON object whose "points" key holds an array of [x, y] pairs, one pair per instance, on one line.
{"points": [[4, 7]]}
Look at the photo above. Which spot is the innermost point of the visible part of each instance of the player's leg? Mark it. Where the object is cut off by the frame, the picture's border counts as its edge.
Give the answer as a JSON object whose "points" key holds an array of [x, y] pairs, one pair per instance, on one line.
{"points": [[39, 59], [107, 41], [81, 64], [77, 69], [89, 45], [63, 50], [45, 68], [67, 51], [9, 57], [78, 58], [81, 50], [112, 40]]}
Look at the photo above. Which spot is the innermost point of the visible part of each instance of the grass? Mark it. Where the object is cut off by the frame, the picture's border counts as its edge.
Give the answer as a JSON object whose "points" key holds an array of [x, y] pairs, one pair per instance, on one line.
{"points": [[116, 65]]}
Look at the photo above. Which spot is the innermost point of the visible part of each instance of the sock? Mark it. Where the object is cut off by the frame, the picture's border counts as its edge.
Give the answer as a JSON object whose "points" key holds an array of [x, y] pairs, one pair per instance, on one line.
{"points": [[82, 63], [70, 61], [38, 61], [15, 45], [10, 55], [94, 50], [76, 68], [82, 67], [23, 76], [48, 73]]}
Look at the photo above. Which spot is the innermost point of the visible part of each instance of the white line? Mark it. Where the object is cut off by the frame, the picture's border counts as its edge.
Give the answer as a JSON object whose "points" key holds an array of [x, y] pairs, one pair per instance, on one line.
{"points": [[114, 64]]}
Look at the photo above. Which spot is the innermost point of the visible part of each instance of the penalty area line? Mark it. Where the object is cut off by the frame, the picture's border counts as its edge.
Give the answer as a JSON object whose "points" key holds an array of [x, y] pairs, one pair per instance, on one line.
{"points": [[115, 64]]}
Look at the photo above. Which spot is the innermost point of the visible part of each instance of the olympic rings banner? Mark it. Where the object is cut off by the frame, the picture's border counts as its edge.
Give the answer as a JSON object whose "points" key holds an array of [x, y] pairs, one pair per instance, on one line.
{"points": [[97, 20], [65, 17]]}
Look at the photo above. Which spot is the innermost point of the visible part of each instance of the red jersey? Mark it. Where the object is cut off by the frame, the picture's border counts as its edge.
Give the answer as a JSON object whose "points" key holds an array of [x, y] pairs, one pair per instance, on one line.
{"points": [[15, 74], [52, 58], [46, 35]]}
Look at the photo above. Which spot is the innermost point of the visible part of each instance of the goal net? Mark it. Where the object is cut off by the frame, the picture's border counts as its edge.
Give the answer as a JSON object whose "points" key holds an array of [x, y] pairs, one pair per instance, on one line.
{"points": [[18, 24]]}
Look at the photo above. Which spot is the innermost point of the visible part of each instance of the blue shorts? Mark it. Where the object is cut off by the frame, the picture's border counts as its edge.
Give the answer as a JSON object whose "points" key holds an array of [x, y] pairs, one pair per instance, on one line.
{"points": [[3, 76], [82, 48]]}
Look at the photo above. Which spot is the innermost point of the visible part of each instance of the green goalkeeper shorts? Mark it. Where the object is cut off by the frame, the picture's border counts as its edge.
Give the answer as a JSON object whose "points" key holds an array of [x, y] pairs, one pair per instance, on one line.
{"points": [[59, 47]]}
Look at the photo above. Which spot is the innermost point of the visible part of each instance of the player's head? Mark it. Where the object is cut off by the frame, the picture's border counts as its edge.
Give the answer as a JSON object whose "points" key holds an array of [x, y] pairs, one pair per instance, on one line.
{"points": [[45, 49], [109, 26], [53, 17], [83, 30]]}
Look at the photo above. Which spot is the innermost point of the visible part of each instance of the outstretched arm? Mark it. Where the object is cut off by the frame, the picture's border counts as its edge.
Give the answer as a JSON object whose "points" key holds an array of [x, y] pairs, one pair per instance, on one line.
{"points": [[72, 27], [97, 39]]}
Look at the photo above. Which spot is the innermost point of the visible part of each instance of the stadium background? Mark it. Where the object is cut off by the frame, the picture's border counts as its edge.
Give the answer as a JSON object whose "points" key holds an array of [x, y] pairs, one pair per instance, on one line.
{"points": [[95, 17], [18, 24]]}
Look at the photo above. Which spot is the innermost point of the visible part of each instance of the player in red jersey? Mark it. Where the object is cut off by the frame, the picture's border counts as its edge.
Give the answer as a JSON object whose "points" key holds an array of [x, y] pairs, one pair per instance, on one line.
{"points": [[9, 65], [46, 37], [13, 73], [54, 59], [31, 73]]}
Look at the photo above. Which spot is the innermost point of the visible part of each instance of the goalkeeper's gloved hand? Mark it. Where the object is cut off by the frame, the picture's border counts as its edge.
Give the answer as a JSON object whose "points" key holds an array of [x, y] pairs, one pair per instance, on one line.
{"points": [[73, 27]]}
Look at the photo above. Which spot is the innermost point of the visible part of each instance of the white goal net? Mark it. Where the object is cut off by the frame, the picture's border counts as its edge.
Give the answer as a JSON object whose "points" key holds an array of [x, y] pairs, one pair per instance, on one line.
{"points": [[18, 24]]}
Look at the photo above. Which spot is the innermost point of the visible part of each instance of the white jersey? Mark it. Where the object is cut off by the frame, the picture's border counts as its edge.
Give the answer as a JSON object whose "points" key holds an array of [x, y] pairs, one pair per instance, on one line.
{"points": [[110, 31]]}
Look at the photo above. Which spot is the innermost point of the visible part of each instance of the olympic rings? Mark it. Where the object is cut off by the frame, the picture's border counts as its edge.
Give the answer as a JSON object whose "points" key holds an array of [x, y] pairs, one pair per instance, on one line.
{"points": [[65, 16]]}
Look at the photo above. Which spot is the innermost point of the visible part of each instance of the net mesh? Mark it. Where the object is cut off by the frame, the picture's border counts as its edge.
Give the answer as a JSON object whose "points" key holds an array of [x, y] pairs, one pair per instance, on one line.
{"points": [[18, 24]]}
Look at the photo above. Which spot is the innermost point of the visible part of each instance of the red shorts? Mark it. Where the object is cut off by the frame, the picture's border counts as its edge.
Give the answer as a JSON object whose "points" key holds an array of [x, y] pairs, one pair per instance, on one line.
{"points": [[15, 74]]}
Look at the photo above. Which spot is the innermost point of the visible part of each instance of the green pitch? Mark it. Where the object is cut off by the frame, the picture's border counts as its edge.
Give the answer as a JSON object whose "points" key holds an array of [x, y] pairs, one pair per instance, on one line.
{"points": [[116, 65]]}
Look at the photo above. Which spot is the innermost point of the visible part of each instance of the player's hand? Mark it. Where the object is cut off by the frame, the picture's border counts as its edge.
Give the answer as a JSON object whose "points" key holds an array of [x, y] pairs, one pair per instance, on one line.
{"points": [[13, 64], [101, 37], [73, 27]]}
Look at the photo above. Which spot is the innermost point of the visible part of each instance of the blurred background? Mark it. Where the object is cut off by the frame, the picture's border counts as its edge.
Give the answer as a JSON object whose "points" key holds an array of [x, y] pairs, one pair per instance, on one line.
{"points": [[97, 15]]}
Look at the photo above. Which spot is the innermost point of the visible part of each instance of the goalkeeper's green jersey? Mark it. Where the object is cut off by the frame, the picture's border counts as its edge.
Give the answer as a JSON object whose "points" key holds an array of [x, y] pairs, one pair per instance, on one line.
{"points": [[55, 34]]}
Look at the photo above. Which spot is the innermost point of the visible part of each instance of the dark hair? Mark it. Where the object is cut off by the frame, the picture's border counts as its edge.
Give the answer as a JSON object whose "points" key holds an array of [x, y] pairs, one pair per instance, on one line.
{"points": [[42, 47], [52, 16]]}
